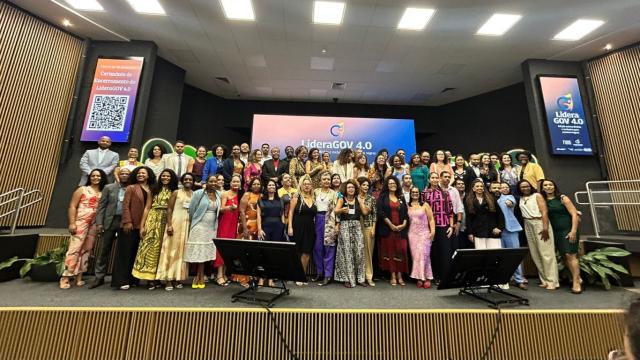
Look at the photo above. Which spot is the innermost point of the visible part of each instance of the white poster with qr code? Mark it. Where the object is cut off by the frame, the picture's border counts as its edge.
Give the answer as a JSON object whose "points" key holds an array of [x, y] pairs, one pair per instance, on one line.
{"points": [[108, 112]]}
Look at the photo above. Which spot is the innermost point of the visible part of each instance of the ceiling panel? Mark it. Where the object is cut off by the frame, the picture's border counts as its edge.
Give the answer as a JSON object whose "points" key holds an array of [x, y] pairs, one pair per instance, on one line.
{"points": [[270, 58]]}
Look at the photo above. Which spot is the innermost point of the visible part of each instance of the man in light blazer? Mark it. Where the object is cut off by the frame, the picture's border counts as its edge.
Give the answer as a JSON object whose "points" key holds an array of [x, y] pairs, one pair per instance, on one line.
{"points": [[107, 222], [100, 158], [178, 161]]}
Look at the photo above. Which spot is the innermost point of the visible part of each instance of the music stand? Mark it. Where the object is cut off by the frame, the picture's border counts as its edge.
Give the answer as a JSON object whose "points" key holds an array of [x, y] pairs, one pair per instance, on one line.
{"points": [[480, 272], [261, 259]]}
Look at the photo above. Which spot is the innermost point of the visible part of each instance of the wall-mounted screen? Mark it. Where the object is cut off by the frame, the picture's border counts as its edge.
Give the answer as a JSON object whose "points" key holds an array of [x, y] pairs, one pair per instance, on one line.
{"points": [[112, 100], [566, 119], [333, 134]]}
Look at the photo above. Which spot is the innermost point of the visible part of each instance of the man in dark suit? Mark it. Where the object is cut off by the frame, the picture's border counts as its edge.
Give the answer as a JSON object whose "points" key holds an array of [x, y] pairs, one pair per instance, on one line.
{"points": [[273, 168], [108, 222], [472, 171]]}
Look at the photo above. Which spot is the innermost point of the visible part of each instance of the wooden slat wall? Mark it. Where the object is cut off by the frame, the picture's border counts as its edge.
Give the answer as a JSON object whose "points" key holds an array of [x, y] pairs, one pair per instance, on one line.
{"points": [[616, 84], [192, 333], [38, 65]]}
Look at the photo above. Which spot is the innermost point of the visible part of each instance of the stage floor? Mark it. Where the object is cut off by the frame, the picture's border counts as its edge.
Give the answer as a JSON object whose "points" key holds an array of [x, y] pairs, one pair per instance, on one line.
{"points": [[26, 293]]}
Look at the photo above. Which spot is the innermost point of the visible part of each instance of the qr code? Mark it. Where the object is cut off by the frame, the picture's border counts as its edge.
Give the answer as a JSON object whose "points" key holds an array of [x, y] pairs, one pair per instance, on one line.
{"points": [[108, 112]]}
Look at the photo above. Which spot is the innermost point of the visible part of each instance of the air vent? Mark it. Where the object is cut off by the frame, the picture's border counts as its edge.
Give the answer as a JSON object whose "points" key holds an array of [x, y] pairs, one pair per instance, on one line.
{"points": [[449, 89], [338, 86], [223, 79]]}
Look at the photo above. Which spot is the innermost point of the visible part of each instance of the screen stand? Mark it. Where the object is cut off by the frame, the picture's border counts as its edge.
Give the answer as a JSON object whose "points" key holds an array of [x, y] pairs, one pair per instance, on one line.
{"points": [[483, 293], [253, 295]]}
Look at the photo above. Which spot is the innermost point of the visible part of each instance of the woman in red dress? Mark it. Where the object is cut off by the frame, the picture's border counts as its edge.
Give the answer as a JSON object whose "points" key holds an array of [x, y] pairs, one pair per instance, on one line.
{"points": [[393, 220], [228, 224]]}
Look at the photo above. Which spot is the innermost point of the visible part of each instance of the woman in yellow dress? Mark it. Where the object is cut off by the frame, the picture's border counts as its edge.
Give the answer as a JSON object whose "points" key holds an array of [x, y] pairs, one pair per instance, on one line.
{"points": [[155, 221], [171, 267]]}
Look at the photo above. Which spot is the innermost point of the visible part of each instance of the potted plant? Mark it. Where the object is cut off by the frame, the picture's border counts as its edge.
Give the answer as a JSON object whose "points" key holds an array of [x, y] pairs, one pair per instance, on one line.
{"points": [[597, 266], [46, 267]]}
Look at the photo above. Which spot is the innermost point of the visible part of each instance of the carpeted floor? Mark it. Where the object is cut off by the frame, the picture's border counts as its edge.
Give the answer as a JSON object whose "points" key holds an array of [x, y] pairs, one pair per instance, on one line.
{"points": [[384, 296]]}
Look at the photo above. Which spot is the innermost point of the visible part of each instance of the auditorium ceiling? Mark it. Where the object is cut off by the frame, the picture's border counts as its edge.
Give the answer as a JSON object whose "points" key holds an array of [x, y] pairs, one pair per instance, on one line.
{"points": [[283, 55]]}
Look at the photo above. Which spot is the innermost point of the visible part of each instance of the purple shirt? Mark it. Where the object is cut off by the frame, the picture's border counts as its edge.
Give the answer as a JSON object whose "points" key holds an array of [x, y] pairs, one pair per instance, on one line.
{"points": [[441, 205]]}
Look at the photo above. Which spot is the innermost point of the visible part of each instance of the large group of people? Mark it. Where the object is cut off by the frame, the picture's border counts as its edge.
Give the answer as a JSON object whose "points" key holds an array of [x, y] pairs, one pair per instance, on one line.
{"points": [[403, 215]]}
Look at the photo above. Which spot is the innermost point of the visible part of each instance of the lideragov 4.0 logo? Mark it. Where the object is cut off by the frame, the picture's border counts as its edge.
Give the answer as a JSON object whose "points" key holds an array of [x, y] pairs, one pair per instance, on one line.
{"points": [[565, 102], [337, 130]]}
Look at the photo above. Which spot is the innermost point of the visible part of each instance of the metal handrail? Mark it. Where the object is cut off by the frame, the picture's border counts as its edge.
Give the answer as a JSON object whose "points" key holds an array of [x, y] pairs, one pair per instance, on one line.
{"points": [[18, 199], [8, 193], [593, 204]]}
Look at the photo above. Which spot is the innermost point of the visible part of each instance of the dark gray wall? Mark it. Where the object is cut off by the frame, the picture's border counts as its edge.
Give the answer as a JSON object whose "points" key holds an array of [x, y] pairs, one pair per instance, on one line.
{"points": [[570, 172], [157, 113], [163, 112], [493, 121]]}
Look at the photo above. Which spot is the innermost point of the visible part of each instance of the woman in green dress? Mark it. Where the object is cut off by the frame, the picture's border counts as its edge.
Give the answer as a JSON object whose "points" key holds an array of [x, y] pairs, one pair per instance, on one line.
{"points": [[564, 219], [155, 221]]}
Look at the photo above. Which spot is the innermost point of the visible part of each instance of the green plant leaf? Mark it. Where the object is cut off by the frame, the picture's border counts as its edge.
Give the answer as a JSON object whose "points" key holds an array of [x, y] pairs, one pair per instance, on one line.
{"points": [[584, 267], [606, 271], [587, 257], [614, 266], [24, 270], [60, 267], [612, 251], [7, 263], [606, 283]]}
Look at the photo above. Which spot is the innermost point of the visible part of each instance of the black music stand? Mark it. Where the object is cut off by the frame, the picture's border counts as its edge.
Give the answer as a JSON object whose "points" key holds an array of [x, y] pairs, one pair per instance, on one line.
{"points": [[480, 272], [261, 259]]}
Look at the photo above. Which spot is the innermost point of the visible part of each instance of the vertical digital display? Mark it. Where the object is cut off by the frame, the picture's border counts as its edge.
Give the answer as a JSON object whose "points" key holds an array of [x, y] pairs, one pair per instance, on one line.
{"points": [[112, 99], [332, 134], [566, 119]]}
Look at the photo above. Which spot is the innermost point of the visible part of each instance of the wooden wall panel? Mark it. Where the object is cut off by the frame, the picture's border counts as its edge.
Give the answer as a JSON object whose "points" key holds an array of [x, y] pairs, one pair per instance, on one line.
{"points": [[38, 65], [195, 333], [616, 85]]}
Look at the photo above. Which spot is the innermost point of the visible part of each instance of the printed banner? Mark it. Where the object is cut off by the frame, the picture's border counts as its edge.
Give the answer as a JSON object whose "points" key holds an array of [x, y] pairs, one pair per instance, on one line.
{"points": [[112, 100], [333, 134], [566, 118]]}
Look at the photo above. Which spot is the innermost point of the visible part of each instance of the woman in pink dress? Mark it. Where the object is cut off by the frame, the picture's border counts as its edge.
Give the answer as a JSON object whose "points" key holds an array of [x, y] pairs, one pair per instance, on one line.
{"points": [[253, 169], [422, 227], [228, 224], [82, 211]]}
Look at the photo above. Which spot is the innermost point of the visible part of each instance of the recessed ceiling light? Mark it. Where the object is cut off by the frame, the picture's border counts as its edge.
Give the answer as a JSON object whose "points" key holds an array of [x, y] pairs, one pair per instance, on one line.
{"points": [[324, 51], [608, 47], [238, 9], [88, 5], [579, 29], [328, 12], [66, 23], [498, 24], [150, 7], [415, 18]]}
